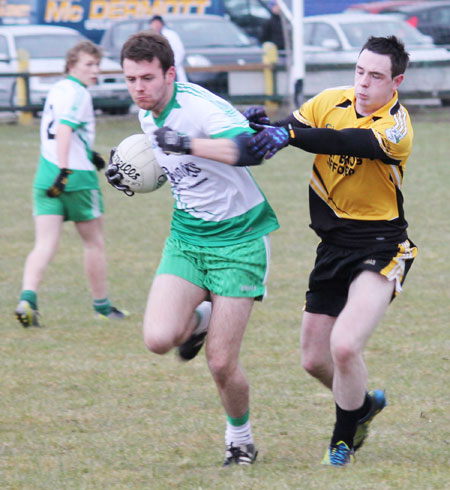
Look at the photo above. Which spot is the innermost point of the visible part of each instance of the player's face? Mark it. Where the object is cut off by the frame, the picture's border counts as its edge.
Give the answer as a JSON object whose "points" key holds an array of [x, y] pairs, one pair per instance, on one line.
{"points": [[156, 25], [86, 69], [374, 85], [150, 88]]}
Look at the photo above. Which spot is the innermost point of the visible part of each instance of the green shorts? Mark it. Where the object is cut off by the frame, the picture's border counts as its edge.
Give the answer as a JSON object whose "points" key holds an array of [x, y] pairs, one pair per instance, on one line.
{"points": [[83, 205], [235, 270]]}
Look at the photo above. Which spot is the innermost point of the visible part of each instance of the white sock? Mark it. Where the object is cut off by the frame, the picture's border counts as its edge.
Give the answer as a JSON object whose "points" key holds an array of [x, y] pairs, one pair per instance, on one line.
{"points": [[203, 312], [239, 435]]}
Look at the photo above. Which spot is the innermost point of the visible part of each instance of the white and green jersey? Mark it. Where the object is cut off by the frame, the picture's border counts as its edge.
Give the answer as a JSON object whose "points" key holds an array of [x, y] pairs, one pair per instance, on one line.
{"points": [[215, 204], [68, 102]]}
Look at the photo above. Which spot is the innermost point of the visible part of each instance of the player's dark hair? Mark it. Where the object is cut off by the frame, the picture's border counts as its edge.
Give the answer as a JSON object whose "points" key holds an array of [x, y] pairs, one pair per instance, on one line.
{"points": [[147, 45], [158, 18], [73, 55], [393, 47]]}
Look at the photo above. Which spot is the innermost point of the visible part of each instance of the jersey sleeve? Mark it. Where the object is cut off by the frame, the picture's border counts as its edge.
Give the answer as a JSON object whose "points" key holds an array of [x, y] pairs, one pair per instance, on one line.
{"points": [[221, 120], [74, 107], [395, 135], [306, 114]]}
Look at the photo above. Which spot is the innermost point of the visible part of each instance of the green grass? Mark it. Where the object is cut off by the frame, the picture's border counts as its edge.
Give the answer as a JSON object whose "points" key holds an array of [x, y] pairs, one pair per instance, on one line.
{"points": [[83, 405]]}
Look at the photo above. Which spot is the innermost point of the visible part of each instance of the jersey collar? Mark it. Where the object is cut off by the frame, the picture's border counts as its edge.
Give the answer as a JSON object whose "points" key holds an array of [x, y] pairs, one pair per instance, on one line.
{"points": [[173, 104], [70, 77], [350, 94]]}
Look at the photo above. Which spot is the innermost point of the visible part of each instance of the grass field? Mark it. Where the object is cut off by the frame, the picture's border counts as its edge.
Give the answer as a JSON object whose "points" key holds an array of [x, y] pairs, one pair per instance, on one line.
{"points": [[83, 405]]}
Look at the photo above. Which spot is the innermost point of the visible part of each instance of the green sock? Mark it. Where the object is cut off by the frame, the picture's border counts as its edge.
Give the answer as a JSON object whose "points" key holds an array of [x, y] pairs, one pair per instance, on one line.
{"points": [[238, 430], [30, 296], [236, 422], [102, 306]]}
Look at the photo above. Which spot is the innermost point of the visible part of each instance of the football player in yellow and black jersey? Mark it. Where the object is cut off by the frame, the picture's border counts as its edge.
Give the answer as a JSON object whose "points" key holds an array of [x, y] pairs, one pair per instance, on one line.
{"points": [[362, 137]]}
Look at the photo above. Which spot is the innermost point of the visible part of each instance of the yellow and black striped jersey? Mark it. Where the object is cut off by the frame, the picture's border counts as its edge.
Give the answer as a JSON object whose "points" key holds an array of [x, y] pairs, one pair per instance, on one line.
{"points": [[355, 194]]}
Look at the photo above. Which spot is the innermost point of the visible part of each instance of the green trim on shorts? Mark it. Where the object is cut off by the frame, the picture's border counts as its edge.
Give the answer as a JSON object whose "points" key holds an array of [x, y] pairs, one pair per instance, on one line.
{"points": [[84, 205], [239, 270]]}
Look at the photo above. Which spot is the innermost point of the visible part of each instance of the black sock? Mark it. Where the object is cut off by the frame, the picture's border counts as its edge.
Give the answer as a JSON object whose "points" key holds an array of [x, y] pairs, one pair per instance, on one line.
{"points": [[346, 421], [367, 405]]}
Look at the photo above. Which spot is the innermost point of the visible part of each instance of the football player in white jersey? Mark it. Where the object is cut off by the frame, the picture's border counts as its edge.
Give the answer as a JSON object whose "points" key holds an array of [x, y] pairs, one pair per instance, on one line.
{"points": [[66, 186], [215, 261]]}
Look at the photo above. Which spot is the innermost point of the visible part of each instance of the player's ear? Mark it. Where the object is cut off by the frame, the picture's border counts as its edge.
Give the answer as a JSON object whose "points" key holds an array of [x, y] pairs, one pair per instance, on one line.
{"points": [[171, 74], [398, 80]]}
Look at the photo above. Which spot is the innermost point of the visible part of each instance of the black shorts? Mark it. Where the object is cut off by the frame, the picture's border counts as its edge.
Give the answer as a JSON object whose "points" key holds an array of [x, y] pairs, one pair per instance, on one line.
{"points": [[336, 267]]}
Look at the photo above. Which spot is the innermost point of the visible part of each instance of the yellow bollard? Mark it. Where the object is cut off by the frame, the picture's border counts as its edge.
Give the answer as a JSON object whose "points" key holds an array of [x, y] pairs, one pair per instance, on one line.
{"points": [[270, 57], [25, 117]]}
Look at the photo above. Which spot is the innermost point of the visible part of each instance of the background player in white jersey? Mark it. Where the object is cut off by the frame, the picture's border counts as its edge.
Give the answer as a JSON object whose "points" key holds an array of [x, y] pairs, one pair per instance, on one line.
{"points": [[362, 137], [218, 249], [66, 185]]}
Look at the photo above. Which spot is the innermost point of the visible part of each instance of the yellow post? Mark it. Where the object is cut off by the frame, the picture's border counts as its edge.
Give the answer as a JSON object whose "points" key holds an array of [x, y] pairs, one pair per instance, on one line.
{"points": [[270, 57], [25, 117]]}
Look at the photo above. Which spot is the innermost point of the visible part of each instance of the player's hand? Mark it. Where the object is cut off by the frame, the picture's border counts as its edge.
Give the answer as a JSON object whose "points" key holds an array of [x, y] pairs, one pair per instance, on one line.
{"points": [[59, 185], [98, 161], [172, 142], [268, 141], [256, 114], [114, 177]]}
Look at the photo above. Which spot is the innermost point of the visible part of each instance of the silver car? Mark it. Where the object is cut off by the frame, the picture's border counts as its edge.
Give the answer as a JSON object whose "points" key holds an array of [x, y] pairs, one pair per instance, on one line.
{"points": [[46, 47], [332, 44]]}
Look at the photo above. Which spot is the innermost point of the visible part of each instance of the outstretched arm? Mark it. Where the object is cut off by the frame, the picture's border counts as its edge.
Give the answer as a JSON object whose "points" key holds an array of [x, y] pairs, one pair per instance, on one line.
{"points": [[351, 141], [232, 151]]}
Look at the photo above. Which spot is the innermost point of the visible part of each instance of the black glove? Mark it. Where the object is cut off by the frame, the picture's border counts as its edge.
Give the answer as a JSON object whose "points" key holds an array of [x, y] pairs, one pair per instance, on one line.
{"points": [[114, 177], [268, 141], [172, 142], [257, 114], [60, 183], [98, 161]]}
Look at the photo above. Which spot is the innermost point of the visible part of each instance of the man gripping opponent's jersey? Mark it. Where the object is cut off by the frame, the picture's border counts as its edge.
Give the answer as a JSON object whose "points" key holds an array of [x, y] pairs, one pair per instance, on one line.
{"points": [[362, 137]]}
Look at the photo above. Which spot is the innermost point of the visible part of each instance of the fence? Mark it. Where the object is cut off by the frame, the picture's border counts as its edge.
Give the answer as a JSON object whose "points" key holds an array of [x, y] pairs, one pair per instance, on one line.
{"points": [[254, 83]]}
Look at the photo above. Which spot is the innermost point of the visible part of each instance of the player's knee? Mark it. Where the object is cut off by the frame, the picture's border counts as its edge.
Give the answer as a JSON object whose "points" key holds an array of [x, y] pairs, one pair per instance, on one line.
{"points": [[96, 246], [43, 253], [220, 368], [343, 352], [157, 344], [313, 366]]}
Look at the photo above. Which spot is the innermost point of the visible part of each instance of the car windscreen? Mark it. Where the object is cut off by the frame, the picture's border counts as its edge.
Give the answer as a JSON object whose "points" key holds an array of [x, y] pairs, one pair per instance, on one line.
{"points": [[357, 33], [196, 33], [46, 46], [121, 32], [236, 8]]}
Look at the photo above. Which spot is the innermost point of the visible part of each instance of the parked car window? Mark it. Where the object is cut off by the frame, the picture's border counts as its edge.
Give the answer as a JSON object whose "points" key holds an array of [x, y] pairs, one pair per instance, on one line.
{"points": [[308, 33], [3, 48], [122, 32], [246, 7], [440, 16], [199, 34], [249, 15], [47, 46], [321, 33], [357, 33]]}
